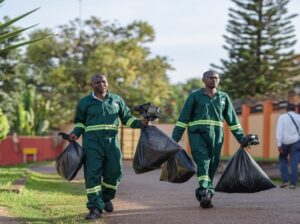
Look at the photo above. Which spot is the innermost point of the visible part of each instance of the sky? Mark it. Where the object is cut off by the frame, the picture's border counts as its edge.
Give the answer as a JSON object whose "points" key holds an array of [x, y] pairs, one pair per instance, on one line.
{"points": [[188, 32]]}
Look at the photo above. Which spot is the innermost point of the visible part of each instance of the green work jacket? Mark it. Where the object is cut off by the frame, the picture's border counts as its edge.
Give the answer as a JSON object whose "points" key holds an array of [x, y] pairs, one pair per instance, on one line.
{"points": [[93, 114], [201, 113]]}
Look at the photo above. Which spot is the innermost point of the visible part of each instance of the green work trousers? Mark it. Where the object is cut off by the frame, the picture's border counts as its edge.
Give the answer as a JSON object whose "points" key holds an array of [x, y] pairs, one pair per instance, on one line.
{"points": [[102, 167], [206, 148]]}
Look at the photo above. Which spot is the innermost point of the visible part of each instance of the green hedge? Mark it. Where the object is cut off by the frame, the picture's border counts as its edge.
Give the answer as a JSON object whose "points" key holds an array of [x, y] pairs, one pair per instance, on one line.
{"points": [[4, 126]]}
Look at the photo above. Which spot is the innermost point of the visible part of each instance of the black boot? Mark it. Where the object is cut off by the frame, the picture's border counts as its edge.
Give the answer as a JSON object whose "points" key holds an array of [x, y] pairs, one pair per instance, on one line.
{"points": [[206, 200], [94, 213], [108, 206]]}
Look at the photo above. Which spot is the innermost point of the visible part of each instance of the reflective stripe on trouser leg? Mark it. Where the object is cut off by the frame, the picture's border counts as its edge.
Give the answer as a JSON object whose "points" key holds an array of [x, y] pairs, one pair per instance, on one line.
{"points": [[205, 149], [112, 168], [93, 190], [216, 145], [200, 153], [93, 169], [94, 197]]}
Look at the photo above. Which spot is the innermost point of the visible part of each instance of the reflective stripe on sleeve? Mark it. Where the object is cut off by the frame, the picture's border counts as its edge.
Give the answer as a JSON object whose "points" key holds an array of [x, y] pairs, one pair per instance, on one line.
{"points": [[235, 127], [79, 125], [181, 124], [130, 121]]}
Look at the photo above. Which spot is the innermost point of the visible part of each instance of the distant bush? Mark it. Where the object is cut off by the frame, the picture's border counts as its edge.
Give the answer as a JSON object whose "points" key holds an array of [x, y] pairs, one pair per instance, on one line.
{"points": [[4, 126]]}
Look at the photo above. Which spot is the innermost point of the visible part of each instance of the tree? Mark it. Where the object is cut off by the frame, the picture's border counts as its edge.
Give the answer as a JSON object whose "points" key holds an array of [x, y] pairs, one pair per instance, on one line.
{"points": [[8, 35], [32, 113], [11, 70], [87, 47], [176, 100], [4, 126], [259, 46], [131, 73]]}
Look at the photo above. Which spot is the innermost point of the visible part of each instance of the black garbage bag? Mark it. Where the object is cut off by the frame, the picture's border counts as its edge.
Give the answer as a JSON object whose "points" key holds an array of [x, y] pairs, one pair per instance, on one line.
{"points": [[178, 169], [243, 175], [153, 149], [69, 162], [148, 111]]}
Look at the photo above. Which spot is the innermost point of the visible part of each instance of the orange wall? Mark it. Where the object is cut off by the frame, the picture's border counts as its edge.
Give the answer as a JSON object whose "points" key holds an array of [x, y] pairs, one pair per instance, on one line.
{"points": [[256, 126]]}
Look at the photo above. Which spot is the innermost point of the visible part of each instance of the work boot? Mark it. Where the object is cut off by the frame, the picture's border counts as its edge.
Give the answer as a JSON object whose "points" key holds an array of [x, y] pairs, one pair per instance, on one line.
{"points": [[108, 206], [206, 200], [94, 213]]}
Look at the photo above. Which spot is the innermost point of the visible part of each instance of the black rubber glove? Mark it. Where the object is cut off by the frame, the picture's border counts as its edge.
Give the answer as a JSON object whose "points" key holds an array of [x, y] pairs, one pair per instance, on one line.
{"points": [[249, 140]]}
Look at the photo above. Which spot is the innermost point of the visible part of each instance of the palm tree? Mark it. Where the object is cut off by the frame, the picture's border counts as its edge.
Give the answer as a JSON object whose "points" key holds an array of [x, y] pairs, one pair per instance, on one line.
{"points": [[11, 34], [4, 125]]}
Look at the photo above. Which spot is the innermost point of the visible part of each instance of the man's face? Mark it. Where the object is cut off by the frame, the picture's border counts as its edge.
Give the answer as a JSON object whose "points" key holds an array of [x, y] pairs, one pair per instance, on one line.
{"points": [[99, 84], [211, 81]]}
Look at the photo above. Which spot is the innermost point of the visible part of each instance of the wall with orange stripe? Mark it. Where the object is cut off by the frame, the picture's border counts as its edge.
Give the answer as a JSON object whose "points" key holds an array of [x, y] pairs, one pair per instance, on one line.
{"points": [[263, 124]]}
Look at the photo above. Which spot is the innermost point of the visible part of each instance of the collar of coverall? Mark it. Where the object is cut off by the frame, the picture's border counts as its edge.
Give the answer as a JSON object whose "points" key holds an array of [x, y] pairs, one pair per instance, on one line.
{"points": [[202, 91], [108, 95]]}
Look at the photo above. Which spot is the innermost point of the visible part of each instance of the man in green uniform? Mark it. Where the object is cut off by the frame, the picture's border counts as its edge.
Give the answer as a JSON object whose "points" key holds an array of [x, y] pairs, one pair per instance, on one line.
{"points": [[203, 114], [97, 119]]}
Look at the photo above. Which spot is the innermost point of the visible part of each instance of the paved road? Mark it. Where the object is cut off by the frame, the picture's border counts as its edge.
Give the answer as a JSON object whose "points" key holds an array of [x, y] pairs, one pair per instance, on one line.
{"points": [[144, 199]]}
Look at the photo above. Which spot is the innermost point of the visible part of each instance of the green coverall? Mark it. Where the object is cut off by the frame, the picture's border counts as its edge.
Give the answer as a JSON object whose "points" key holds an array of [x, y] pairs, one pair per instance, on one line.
{"points": [[98, 121], [204, 116]]}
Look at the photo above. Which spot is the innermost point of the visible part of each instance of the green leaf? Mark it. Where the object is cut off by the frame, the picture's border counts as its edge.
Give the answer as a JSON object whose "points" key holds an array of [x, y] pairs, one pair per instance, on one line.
{"points": [[8, 23], [14, 33], [20, 44]]}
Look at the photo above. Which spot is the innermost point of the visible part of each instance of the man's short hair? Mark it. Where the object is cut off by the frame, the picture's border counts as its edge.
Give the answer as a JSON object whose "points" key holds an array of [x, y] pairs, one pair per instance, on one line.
{"points": [[291, 107], [97, 75], [209, 73]]}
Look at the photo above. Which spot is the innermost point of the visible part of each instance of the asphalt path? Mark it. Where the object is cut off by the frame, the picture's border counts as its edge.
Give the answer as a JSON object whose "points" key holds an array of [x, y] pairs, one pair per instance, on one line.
{"points": [[142, 198]]}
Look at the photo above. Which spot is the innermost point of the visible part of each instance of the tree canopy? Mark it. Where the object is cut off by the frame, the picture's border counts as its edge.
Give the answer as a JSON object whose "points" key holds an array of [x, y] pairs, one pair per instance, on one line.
{"points": [[260, 51], [61, 66]]}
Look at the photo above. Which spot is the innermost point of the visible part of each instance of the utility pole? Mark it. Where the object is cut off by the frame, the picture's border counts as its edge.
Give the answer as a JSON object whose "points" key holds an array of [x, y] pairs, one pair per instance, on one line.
{"points": [[80, 9], [80, 15]]}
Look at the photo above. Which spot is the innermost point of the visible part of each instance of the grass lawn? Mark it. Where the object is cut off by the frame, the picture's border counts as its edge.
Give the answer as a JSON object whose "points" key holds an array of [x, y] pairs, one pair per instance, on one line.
{"points": [[10, 174], [46, 198]]}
